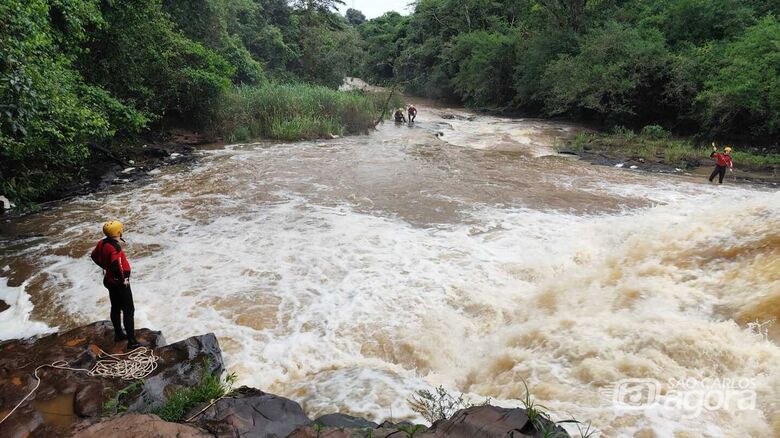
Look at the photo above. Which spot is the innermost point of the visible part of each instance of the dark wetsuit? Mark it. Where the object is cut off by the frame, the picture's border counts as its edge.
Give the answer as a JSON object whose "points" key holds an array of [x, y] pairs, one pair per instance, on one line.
{"points": [[412, 113], [399, 116], [721, 162], [108, 254]]}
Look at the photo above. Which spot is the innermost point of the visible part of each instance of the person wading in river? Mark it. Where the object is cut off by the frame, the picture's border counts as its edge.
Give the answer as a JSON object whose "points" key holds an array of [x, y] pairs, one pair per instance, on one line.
{"points": [[108, 254], [721, 162], [412, 113], [399, 116]]}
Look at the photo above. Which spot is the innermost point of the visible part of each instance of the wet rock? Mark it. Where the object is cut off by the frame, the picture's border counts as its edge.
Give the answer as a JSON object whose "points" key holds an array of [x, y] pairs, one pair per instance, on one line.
{"points": [[88, 401], [251, 412], [490, 422], [181, 364], [4, 306], [79, 348], [344, 432], [344, 420], [139, 426], [388, 425], [156, 152]]}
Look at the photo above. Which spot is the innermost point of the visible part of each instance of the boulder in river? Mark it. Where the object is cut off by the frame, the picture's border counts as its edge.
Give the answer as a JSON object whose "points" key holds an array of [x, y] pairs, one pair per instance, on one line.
{"points": [[344, 420], [491, 422], [251, 412]]}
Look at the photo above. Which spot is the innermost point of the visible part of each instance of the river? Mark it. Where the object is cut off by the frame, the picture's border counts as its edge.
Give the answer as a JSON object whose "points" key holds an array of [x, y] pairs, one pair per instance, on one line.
{"points": [[462, 251]]}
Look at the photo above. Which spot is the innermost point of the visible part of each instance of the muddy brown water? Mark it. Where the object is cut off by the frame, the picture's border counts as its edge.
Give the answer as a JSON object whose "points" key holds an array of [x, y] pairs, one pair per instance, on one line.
{"points": [[460, 251]]}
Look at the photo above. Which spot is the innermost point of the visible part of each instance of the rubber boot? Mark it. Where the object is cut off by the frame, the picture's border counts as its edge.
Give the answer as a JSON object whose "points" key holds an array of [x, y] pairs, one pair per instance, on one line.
{"points": [[132, 344]]}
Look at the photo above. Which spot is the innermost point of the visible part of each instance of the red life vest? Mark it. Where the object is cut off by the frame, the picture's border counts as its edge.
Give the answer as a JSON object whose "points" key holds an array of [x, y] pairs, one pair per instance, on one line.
{"points": [[108, 254], [722, 159]]}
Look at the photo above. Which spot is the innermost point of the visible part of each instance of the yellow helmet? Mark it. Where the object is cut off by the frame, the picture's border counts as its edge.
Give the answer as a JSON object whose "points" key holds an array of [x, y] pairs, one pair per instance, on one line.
{"points": [[727, 149], [112, 228]]}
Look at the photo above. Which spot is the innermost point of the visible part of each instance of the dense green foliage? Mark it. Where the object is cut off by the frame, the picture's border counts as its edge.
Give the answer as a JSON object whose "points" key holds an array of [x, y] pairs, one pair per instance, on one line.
{"points": [[710, 67], [79, 75]]}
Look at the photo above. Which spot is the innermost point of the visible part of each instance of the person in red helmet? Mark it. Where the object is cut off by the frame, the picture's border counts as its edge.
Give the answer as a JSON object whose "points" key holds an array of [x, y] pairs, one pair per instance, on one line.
{"points": [[412, 113], [722, 160], [108, 254]]}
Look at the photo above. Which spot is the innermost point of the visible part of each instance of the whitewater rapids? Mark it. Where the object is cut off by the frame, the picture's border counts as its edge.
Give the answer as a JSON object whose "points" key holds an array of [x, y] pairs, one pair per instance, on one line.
{"points": [[462, 251]]}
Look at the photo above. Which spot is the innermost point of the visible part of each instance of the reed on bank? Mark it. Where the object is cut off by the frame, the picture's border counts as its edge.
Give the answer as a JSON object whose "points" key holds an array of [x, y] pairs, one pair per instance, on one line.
{"points": [[295, 112]]}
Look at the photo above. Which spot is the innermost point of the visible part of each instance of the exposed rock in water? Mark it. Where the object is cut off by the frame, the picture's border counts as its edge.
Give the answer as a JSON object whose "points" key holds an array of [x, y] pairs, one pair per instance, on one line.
{"points": [[251, 412], [139, 426], [344, 420], [490, 422], [181, 365], [4, 306], [346, 432], [71, 403]]}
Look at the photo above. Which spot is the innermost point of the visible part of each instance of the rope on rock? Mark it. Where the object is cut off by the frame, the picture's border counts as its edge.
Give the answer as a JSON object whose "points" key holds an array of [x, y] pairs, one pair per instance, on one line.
{"points": [[139, 363]]}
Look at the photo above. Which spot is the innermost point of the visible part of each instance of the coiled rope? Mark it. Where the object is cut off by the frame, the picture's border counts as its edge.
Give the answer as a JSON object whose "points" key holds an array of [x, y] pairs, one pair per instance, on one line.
{"points": [[138, 364]]}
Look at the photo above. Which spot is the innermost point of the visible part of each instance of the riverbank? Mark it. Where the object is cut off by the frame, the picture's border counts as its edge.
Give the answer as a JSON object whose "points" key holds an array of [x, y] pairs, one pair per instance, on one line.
{"points": [[189, 388], [655, 150], [272, 111]]}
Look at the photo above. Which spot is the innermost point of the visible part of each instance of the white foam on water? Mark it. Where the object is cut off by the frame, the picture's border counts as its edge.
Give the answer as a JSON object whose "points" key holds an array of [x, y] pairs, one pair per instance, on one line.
{"points": [[15, 321], [349, 310]]}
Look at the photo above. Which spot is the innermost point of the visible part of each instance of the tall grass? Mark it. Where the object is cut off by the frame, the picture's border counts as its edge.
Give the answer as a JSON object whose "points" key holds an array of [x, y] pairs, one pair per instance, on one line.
{"points": [[655, 144], [294, 112]]}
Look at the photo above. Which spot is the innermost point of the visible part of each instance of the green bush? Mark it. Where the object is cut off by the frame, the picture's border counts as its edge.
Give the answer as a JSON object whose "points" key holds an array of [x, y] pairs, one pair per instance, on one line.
{"points": [[656, 132]]}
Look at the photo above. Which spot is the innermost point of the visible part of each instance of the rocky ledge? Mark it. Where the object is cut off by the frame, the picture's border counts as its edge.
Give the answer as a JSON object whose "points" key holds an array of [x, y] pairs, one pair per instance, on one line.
{"points": [[73, 403]]}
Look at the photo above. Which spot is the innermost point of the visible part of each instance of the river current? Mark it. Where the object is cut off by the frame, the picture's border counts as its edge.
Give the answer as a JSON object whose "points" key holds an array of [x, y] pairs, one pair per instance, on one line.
{"points": [[462, 251]]}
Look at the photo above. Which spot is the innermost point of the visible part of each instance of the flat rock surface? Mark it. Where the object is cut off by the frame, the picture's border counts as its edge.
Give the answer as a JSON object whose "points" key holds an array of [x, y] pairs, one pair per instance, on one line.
{"points": [[53, 408], [139, 426], [67, 397], [344, 420]]}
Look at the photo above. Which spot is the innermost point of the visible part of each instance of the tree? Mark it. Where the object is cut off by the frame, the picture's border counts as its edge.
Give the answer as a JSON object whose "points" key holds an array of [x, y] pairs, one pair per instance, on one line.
{"points": [[318, 6], [139, 57], [477, 56], [618, 72], [566, 13], [48, 115], [355, 17], [381, 38], [743, 95]]}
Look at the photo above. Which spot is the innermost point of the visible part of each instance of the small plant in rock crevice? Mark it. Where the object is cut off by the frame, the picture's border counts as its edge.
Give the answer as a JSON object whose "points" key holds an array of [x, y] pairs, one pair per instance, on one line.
{"points": [[437, 404], [210, 387], [410, 430], [114, 406]]}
